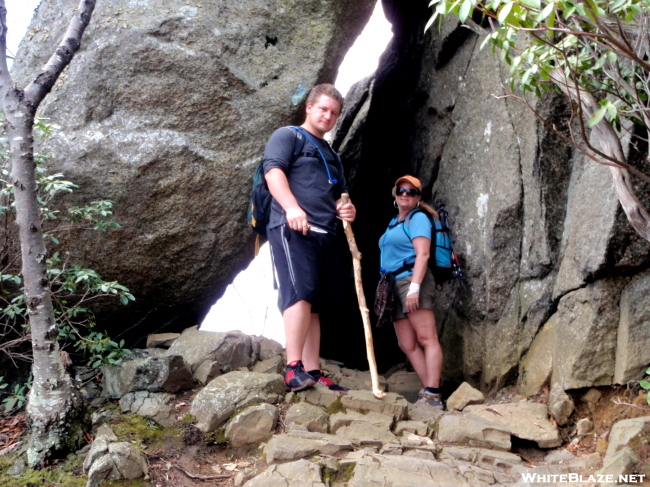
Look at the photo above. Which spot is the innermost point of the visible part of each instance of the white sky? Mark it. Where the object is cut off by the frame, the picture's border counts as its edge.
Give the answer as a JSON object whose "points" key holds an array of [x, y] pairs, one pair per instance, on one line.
{"points": [[250, 303], [19, 14]]}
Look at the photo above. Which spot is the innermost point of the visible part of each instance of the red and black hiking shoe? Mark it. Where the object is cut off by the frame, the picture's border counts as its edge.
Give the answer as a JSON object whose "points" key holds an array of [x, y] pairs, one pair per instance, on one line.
{"points": [[324, 381], [296, 378]]}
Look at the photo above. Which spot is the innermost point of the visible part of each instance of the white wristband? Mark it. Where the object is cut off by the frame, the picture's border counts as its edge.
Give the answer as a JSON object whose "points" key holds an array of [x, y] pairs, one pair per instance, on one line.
{"points": [[413, 288]]}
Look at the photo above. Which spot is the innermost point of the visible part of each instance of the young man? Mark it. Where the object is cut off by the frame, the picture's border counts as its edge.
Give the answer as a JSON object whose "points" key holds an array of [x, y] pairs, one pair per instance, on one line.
{"points": [[302, 230]]}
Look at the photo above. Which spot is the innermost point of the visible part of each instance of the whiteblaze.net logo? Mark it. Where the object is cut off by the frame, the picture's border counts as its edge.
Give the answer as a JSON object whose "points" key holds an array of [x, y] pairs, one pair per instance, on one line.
{"points": [[577, 479]]}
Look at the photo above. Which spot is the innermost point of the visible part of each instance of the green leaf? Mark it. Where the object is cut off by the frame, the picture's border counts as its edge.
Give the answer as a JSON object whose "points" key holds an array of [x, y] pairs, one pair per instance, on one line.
{"points": [[430, 21], [505, 11], [645, 384], [551, 20], [545, 13], [464, 10], [532, 3], [597, 116], [611, 110], [615, 5]]}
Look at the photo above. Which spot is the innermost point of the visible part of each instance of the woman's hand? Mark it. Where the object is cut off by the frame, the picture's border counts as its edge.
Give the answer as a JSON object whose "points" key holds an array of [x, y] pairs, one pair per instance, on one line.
{"points": [[412, 301]]}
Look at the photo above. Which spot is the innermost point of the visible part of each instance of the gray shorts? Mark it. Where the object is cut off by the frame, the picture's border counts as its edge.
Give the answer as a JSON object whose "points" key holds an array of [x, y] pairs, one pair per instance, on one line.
{"points": [[427, 291]]}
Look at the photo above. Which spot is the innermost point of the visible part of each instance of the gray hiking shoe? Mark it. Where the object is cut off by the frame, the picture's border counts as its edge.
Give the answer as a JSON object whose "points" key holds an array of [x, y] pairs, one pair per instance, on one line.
{"points": [[430, 399]]}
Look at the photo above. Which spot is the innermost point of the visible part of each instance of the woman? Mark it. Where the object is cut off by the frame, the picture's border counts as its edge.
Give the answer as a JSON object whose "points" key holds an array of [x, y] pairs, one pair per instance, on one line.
{"points": [[405, 249]]}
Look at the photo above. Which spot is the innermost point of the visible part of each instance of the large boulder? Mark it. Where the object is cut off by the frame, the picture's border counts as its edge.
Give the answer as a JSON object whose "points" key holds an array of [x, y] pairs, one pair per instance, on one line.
{"points": [[165, 109]]}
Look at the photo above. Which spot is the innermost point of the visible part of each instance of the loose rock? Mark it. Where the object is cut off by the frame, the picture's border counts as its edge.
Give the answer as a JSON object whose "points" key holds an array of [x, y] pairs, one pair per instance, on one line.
{"points": [[252, 425], [463, 396], [216, 402], [525, 420]]}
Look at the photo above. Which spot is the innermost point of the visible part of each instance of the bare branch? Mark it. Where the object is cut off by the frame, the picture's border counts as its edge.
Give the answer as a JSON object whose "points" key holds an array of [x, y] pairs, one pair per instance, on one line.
{"points": [[44, 81], [5, 77]]}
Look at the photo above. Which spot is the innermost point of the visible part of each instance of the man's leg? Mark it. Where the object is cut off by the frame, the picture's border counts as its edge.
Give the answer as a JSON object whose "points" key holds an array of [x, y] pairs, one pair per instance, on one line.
{"points": [[296, 328], [297, 325], [311, 349], [291, 258], [311, 355]]}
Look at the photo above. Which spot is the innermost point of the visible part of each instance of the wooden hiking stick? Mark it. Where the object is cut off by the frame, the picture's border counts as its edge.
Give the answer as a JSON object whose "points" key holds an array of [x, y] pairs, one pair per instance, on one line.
{"points": [[365, 314]]}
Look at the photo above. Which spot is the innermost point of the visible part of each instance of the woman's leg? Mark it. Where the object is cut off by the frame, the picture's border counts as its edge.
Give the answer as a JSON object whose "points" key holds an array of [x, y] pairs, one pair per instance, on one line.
{"points": [[423, 323], [408, 343]]}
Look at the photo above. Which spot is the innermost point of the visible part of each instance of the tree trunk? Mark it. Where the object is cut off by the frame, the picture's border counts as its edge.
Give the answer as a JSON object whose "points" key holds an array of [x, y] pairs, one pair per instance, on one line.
{"points": [[610, 144], [54, 402]]}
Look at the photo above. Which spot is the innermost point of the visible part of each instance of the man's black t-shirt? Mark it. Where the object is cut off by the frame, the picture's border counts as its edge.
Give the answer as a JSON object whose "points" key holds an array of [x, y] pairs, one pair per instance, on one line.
{"points": [[307, 176]]}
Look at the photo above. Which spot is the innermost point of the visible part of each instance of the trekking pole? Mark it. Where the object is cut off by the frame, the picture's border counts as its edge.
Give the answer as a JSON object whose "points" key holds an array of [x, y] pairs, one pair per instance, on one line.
{"points": [[365, 314]]}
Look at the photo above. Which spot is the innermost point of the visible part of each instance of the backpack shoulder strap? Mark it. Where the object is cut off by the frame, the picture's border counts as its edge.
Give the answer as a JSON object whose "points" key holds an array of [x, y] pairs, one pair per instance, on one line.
{"points": [[407, 220], [306, 134], [298, 143]]}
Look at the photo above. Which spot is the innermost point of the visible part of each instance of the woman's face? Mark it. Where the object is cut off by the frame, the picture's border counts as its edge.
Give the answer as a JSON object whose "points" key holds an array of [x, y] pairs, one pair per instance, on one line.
{"points": [[407, 196]]}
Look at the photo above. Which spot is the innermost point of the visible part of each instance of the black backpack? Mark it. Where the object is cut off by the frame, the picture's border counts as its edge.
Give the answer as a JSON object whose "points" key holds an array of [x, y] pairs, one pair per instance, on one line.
{"points": [[444, 262], [259, 207]]}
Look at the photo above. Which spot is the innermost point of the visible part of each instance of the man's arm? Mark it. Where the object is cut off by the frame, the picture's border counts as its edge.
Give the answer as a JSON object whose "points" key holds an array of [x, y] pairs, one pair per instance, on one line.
{"points": [[278, 185]]}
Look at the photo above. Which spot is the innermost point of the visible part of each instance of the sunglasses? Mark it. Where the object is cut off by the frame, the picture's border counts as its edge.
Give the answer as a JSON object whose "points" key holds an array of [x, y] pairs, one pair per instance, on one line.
{"points": [[408, 192]]}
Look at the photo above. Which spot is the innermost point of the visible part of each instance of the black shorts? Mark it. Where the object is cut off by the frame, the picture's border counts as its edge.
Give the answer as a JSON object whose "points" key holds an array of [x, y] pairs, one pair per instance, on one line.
{"points": [[307, 267]]}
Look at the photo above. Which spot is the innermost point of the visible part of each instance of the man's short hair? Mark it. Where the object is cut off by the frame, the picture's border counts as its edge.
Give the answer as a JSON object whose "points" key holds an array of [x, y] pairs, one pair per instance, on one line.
{"points": [[327, 90]]}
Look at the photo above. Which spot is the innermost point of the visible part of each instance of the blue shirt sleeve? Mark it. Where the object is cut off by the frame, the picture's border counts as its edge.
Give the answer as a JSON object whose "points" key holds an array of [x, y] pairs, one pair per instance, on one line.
{"points": [[420, 226]]}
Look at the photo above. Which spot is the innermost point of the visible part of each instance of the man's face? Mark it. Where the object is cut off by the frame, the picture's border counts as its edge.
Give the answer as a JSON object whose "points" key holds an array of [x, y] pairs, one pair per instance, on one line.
{"points": [[322, 115]]}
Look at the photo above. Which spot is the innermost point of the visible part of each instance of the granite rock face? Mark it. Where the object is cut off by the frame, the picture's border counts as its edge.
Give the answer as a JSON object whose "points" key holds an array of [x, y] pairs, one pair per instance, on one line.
{"points": [[550, 273], [165, 110]]}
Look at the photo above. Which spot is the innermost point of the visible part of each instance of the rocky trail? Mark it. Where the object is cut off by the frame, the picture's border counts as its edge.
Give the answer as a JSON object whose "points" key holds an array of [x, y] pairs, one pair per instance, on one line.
{"points": [[212, 410]]}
